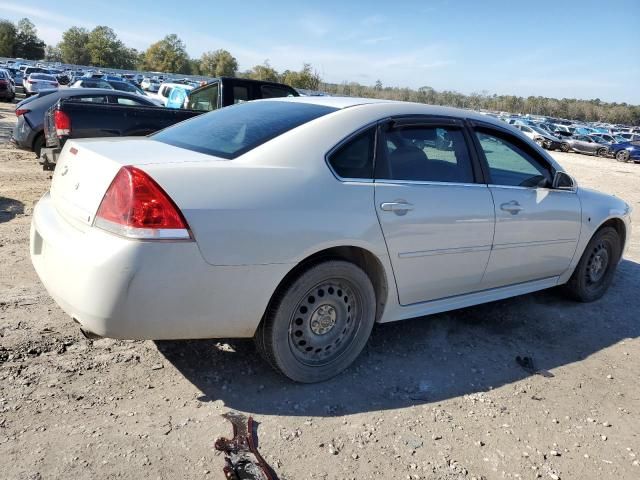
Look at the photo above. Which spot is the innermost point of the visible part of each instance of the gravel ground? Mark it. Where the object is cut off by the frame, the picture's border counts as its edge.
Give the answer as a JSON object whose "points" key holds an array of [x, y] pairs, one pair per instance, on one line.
{"points": [[431, 398]]}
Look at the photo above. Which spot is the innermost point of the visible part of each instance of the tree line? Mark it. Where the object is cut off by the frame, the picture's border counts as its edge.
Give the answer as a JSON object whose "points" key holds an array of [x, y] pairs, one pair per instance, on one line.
{"points": [[101, 47]]}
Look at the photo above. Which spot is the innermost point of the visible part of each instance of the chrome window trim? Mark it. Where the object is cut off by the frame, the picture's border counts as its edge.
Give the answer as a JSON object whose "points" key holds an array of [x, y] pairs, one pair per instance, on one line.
{"points": [[517, 187], [429, 182]]}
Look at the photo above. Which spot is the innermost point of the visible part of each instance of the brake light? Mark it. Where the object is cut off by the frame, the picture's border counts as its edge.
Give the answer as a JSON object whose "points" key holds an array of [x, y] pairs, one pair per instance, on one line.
{"points": [[62, 122], [135, 206], [21, 111], [31, 81]]}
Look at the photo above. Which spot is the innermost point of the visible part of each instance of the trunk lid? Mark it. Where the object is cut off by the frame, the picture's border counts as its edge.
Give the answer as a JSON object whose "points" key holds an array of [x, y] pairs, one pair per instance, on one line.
{"points": [[87, 167]]}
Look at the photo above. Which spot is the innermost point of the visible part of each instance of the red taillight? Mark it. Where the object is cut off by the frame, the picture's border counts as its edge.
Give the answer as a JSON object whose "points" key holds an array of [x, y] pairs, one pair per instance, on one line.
{"points": [[21, 111], [62, 122], [4, 83], [135, 206], [31, 81]]}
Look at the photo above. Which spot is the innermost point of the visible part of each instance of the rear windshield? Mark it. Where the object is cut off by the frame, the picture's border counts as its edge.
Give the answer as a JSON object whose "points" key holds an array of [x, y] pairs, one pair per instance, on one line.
{"points": [[42, 76], [233, 131]]}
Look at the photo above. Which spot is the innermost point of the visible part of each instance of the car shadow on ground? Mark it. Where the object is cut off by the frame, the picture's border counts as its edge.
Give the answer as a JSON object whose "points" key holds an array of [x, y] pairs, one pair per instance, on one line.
{"points": [[10, 208], [422, 360]]}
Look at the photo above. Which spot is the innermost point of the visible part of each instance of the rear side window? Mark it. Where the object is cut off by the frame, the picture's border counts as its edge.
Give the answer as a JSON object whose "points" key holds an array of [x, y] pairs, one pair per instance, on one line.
{"points": [[233, 131], [354, 159]]}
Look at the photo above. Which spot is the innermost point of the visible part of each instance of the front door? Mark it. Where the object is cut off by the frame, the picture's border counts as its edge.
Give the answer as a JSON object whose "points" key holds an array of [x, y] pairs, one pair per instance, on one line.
{"points": [[537, 227], [437, 219]]}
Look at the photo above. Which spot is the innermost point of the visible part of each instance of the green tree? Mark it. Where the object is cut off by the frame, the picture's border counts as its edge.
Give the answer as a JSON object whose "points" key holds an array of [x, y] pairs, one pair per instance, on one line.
{"points": [[194, 66], [73, 46], [167, 55], [52, 54], [8, 37], [264, 72], [28, 45], [103, 46], [306, 78], [218, 64]]}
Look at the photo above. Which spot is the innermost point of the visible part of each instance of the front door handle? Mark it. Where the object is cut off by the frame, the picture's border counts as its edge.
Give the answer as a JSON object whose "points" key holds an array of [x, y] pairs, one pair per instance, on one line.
{"points": [[398, 207], [513, 207]]}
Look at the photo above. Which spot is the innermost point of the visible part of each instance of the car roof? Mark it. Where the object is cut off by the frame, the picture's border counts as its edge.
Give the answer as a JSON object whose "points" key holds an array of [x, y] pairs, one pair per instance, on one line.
{"points": [[424, 109]]}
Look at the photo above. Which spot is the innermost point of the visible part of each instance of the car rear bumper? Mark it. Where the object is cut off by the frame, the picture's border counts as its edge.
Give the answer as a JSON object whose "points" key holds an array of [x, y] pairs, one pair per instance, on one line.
{"points": [[120, 288], [49, 157]]}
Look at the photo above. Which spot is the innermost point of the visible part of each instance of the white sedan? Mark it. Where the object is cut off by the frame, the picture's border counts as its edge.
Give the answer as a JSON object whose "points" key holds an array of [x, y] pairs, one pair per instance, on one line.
{"points": [[39, 81], [303, 221]]}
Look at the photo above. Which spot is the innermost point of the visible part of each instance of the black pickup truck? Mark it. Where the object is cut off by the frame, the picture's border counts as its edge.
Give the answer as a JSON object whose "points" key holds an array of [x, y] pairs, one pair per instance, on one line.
{"points": [[74, 119]]}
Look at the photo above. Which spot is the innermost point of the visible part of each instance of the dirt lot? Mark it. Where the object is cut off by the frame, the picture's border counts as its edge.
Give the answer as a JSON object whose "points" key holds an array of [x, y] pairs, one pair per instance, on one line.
{"points": [[436, 398]]}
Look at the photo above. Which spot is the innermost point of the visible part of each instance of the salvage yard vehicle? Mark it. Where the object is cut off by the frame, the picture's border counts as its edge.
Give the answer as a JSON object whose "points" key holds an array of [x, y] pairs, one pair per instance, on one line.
{"points": [[541, 137], [28, 132], [225, 91], [301, 222], [111, 115], [587, 144], [39, 81], [7, 87], [623, 152]]}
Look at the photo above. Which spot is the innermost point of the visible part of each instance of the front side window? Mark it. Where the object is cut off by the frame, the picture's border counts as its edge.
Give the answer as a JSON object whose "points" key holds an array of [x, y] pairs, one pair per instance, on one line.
{"points": [[426, 153], [129, 101], [90, 99], [512, 162], [354, 159]]}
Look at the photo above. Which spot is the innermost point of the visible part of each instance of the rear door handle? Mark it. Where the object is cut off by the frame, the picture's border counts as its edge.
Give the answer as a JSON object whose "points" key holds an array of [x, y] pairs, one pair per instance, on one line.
{"points": [[513, 207], [398, 207]]}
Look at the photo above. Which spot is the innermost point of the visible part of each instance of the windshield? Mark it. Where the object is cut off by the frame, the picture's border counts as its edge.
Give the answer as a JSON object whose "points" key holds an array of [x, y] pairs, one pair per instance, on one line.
{"points": [[233, 131], [539, 130]]}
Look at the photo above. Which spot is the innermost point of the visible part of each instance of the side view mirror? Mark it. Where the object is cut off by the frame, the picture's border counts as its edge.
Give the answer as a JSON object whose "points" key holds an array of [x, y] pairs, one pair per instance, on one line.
{"points": [[563, 181]]}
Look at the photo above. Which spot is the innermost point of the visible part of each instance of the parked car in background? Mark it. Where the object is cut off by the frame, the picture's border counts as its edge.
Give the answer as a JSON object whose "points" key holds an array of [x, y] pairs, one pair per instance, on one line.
{"points": [[630, 137], [540, 136], [91, 83], [39, 81], [28, 132], [224, 91], [28, 70], [124, 86], [267, 220], [70, 119], [150, 84], [7, 87], [609, 138], [165, 89], [588, 144], [623, 152]]}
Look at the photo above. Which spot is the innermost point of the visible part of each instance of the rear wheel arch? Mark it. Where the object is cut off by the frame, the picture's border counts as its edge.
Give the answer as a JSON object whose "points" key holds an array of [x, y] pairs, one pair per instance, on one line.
{"points": [[359, 256]]}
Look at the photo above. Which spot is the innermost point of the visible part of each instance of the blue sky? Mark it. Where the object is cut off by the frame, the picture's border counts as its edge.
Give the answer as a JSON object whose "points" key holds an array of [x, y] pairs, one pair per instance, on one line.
{"points": [[570, 48]]}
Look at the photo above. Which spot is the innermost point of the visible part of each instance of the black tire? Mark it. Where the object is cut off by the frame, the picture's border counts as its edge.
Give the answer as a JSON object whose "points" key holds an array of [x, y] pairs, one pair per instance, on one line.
{"points": [[38, 144], [601, 152], [565, 147], [594, 272], [540, 142], [622, 156], [316, 326]]}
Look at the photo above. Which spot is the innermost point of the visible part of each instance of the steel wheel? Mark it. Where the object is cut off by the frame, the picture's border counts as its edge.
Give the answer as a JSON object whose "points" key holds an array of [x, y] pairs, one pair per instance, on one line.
{"points": [[325, 322], [594, 272], [622, 156], [318, 325], [601, 152]]}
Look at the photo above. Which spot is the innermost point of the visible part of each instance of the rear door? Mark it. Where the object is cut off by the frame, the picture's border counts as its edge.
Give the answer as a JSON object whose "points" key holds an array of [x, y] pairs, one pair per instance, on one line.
{"points": [[537, 227], [436, 214]]}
